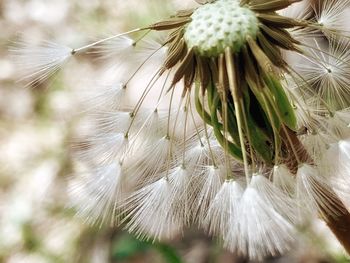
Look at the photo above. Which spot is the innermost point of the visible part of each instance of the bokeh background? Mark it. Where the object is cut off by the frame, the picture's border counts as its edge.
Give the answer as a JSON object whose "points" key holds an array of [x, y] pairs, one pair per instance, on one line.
{"points": [[37, 126]]}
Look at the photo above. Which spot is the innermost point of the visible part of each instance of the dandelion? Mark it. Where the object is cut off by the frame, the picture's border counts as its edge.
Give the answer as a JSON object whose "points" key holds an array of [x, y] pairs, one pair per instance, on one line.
{"points": [[226, 131]]}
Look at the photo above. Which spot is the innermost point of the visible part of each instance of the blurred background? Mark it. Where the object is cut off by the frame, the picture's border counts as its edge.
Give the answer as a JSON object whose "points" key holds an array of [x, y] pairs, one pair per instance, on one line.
{"points": [[37, 126]]}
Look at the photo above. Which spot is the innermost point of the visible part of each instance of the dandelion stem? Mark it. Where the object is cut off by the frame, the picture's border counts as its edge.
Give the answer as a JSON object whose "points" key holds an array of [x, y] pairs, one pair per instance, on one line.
{"points": [[141, 37], [274, 130], [185, 130], [207, 136], [148, 88], [163, 87], [84, 48], [321, 27], [169, 111], [195, 125], [168, 132], [142, 64], [137, 134], [223, 95], [248, 135], [292, 146], [232, 77]]}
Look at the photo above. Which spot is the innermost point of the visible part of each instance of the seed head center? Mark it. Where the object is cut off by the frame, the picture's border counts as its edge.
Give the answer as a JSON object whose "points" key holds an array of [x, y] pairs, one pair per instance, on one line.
{"points": [[216, 26]]}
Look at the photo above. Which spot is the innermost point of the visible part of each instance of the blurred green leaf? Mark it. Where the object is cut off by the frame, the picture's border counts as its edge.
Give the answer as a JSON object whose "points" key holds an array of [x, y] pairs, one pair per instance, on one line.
{"points": [[169, 253], [342, 259], [128, 246]]}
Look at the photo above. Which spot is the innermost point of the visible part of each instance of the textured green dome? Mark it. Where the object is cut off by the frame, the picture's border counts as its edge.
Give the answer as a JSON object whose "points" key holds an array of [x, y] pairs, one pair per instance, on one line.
{"points": [[219, 25]]}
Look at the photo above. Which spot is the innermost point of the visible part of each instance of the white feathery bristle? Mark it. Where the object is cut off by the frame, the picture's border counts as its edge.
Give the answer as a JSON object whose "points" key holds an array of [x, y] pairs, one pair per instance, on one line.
{"points": [[344, 147], [337, 158], [338, 125], [153, 123], [146, 162], [306, 101], [198, 154], [117, 48], [205, 187], [181, 194], [284, 179], [107, 97], [126, 55], [146, 124], [316, 144], [141, 68], [149, 212], [344, 116], [314, 192], [153, 47], [260, 230], [328, 71], [332, 15], [280, 201], [111, 121], [203, 151], [38, 62], [222, 211], [179, 120], [305, 115], [103, 148], [336, 165], [98, 193]]}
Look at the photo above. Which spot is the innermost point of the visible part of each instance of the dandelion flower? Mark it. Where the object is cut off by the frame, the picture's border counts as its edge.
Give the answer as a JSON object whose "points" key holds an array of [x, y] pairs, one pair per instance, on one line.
{"points": [[226, 131]]}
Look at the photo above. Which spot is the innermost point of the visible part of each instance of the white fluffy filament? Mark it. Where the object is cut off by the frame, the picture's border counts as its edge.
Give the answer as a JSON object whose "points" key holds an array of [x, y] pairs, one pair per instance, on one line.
{"points": [[314, 192], [329, 73], [149, 212], [283, 179], [38, 62], [332, 15], [222, 211], [261, 230], [98, 194], [206, 185]]}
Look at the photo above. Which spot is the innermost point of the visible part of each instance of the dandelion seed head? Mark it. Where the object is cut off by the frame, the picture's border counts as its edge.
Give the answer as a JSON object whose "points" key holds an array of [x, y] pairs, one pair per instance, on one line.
{"points": [[210, 34]]}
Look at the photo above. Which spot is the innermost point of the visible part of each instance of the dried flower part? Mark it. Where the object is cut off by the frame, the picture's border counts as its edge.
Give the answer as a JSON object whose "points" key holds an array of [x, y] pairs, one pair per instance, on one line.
{"points": [[270, 5]]}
